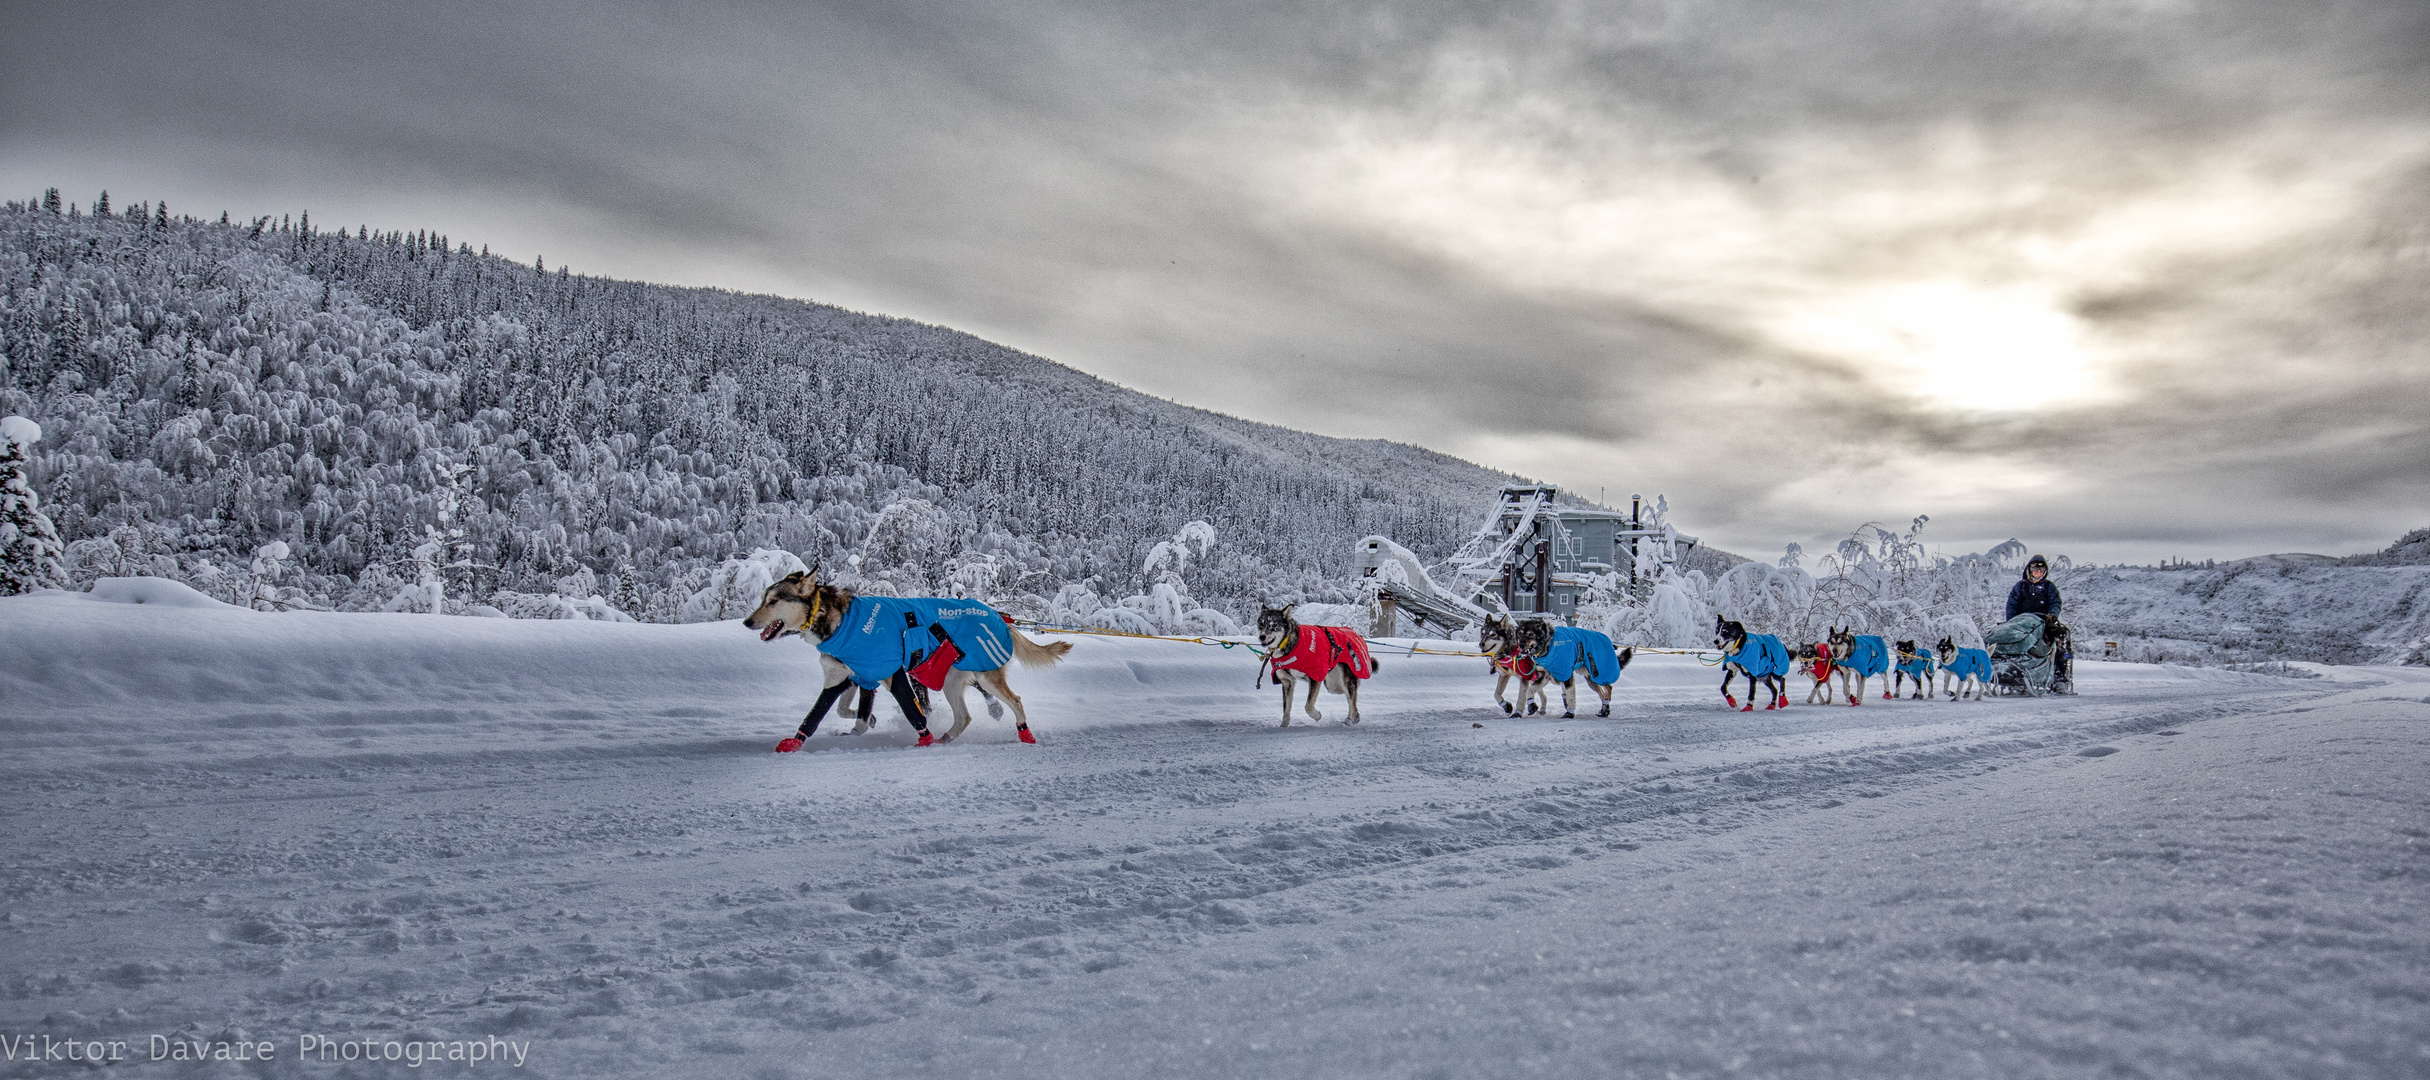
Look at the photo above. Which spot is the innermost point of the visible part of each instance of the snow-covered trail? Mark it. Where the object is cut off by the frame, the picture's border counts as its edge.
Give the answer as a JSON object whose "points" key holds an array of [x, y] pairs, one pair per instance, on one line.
{"points": [[573, 834]]}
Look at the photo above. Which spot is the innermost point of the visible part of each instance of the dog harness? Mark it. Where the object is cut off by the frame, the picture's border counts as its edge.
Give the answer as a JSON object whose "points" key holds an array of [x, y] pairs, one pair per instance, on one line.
{"points": [[1916, 664], [1870, 657], [1761, 656], [1820, 667], [1518, 664], [1573, 648], [1971, 664], [1322, 648]]}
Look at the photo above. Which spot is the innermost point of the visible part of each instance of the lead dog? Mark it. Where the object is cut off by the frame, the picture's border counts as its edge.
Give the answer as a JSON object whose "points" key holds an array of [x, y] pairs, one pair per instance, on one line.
{"points": [[1963, 668], [1499, 641], [799, 604], [1563, 654], [1332, 657]]}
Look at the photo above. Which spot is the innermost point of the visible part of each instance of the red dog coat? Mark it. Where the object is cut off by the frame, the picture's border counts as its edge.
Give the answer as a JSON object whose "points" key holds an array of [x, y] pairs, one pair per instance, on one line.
{"points": [[1322, 648]]}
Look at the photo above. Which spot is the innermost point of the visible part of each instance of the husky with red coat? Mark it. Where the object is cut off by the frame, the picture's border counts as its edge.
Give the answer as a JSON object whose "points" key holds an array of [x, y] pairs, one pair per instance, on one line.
{"points": [[1499, 641], [1332, 657]]}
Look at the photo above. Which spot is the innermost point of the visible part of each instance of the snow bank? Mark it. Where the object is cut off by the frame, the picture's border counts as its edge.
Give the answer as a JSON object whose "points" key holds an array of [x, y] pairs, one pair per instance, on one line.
{"points": [[150, 590]]}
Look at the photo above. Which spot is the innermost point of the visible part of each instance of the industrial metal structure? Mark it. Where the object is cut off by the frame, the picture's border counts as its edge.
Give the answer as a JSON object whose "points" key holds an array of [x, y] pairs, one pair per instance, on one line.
{"points": [[1530, 556]]}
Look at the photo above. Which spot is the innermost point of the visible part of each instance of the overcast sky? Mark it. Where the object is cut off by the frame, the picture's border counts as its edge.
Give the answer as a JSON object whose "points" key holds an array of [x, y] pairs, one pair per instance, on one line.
{"points": [[2123, 279]]}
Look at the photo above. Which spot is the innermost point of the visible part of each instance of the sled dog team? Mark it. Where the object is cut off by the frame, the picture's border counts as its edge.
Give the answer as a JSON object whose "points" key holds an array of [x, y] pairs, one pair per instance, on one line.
{"points": [[911, 646], [1843, 658]]}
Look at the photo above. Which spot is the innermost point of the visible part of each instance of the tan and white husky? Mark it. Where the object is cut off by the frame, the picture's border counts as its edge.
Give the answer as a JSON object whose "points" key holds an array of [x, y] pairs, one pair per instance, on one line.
{"points": [[799, 604]]}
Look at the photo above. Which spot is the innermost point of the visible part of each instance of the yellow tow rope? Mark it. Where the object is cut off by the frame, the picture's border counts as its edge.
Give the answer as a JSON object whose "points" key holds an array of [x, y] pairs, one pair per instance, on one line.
{"points": [[1253, 647], [1200, 639]]}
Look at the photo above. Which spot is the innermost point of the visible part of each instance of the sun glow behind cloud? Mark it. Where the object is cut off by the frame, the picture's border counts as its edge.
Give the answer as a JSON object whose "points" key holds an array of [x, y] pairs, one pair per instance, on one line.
{"points": [[1949, 271], [1954, 344]]}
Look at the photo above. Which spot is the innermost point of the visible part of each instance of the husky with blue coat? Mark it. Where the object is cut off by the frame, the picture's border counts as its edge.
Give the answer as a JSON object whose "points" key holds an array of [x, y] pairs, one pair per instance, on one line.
{"points": [[945, 644], [1564, 654], [1866, 655], [1913, 664], [1963, 669], [1759, 657]]}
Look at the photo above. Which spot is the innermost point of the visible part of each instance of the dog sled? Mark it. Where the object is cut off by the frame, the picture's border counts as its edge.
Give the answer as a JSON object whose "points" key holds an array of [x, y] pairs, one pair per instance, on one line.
{"points": [[2031, 655]]}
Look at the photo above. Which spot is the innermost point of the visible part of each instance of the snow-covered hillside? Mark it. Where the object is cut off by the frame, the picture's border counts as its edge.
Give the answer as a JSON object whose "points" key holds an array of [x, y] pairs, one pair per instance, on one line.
{"points": [[571, 837], [2253, 610], [394, 407]]}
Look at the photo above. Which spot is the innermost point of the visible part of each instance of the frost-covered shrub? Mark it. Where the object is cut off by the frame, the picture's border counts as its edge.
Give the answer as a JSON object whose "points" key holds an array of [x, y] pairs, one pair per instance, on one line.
{"points": [[735, 587], [1167, 605], [126, 551], [515, 605]]}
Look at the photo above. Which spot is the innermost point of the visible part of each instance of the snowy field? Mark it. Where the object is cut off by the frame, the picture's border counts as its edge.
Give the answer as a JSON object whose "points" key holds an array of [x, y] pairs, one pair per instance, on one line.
{"points": [[569, 837]]}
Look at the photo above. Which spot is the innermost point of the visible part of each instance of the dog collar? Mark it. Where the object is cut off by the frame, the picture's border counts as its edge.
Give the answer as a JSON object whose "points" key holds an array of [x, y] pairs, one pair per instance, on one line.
{"points": [[817, 599]]}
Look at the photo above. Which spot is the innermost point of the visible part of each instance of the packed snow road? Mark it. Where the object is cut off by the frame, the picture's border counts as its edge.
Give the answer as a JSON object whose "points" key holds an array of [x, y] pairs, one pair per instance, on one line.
{"points": [[230, 826]]}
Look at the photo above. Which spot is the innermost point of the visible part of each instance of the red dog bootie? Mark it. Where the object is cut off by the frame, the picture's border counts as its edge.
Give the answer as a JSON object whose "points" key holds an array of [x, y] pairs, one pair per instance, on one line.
{"points": [[927, 739], [790, 745], [1028, 738], [1731, 698], [1750, 706]]}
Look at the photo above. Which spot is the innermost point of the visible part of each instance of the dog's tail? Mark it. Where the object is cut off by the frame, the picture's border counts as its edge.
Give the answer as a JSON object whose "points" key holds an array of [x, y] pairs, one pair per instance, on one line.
{"points": [[1626, 655], [1032, 654]]}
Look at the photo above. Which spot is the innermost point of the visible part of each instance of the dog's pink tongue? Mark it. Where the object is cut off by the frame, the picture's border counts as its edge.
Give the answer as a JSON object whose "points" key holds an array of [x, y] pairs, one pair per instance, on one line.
{"points": [[770, 633]]}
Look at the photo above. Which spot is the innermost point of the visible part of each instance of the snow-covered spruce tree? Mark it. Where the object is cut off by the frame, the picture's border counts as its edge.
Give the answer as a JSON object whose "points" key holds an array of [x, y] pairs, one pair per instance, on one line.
{"points": [[29, 546]]}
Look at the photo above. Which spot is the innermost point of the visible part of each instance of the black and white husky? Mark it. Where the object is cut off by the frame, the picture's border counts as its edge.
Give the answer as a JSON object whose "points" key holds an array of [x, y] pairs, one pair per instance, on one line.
{"points": [[1963, 670], [1913, 664], [1299, 653]]}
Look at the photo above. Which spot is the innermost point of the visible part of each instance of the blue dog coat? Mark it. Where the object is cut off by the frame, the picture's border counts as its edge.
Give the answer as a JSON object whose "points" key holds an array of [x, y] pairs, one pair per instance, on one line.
{"points": [[1871, 657], [874, 638], [1762, 656], [1918, 665], [881, 635], [974, 628], [1573, 648], [1971, 664]]}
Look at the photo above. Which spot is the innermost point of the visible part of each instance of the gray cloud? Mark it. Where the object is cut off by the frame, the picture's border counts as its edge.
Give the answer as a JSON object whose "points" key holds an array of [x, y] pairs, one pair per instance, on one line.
{"points": [[1775, 260]]}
